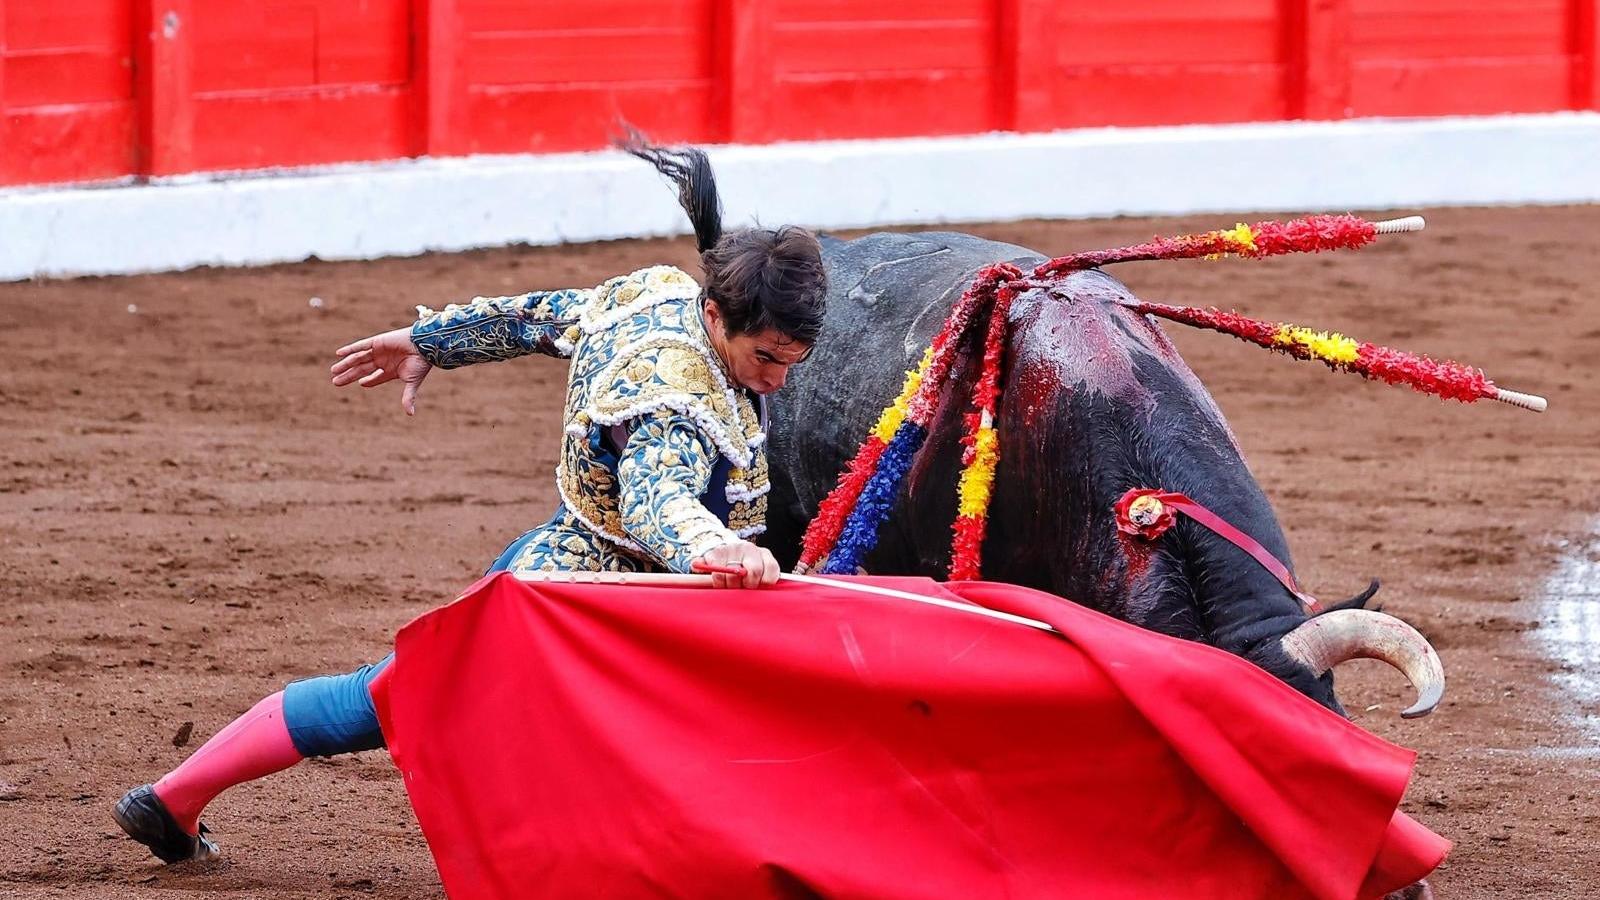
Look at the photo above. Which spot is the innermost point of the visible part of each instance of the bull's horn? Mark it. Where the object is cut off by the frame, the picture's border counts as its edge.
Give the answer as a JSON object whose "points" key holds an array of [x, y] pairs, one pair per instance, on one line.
{"points": [[1322, 642]]}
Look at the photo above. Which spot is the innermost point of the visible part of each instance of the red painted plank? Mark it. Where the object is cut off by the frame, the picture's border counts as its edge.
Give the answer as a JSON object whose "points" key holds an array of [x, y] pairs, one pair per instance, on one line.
{"points": [[301, 128], [12, 157], [77, 143], [251, 46], [1024, 77], [67, 52], [55, 24], [301, 44], [741, 47], [164, 53], [614, 54], [1586, 54], [363, 43], [481, 16], [1201, 39], [1460, 34], [67, 76], [883, 47], [1088, 11], [799, 11], [438, 80], [1461, 87], [1506, 8], [1318, 81], [555, 119], [1166, 96], [882, 105]]}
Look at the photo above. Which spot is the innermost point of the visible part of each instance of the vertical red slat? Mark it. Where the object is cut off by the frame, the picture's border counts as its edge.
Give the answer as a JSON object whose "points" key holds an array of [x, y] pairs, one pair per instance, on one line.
{"points": [[163, 65], [9, 165], [742, 73], [1023, 77], [1586, 54], [438, 81], [1319, 53]]}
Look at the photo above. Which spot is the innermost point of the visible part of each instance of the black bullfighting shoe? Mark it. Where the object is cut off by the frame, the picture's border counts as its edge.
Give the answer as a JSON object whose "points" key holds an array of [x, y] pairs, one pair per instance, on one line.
{"points": [[143, 816]]}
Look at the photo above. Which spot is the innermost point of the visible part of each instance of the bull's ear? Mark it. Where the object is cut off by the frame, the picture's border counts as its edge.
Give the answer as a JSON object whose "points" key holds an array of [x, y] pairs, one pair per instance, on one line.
{"points": [[1359, 601]]}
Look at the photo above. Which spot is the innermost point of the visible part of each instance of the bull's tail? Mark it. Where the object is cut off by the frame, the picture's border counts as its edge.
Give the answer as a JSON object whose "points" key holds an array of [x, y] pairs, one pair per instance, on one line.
{"points": [[690, 170]]}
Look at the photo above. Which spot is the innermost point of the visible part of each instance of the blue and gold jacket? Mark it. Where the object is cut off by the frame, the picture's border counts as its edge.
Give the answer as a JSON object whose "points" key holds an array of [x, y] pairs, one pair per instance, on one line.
{"points": [[662, 458]]}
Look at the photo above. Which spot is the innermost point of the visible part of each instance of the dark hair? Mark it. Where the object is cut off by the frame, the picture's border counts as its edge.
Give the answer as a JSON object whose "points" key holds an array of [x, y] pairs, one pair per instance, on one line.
{"points": [[760, 278]]}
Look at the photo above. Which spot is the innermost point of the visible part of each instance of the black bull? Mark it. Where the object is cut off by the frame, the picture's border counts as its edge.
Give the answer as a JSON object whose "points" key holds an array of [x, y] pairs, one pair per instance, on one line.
{"points": [[1096, 401]]}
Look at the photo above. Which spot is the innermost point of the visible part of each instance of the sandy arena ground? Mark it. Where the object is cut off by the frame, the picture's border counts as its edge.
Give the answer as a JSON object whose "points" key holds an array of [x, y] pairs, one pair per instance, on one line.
{"points": [[190, 516]]}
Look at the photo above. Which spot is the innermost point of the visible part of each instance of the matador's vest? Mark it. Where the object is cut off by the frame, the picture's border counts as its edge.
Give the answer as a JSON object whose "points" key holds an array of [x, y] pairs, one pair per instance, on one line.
{"points": [[641, 346]]}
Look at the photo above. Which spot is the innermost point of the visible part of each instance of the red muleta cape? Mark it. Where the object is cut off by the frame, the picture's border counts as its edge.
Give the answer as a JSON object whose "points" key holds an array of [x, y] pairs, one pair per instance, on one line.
{"points": [[603, 741]]}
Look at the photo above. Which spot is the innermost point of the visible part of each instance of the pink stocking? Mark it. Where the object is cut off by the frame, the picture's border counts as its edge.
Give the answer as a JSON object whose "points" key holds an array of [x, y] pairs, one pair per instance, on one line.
{"points": [[254, 745]]}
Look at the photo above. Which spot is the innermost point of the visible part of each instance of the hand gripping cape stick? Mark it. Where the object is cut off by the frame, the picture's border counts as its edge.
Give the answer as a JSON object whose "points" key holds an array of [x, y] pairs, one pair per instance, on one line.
{"points": [[846, 526]]}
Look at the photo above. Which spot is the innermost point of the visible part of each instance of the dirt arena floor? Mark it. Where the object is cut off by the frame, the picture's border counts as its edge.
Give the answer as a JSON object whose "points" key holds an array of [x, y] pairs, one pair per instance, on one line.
{"points": [[190, 516]]}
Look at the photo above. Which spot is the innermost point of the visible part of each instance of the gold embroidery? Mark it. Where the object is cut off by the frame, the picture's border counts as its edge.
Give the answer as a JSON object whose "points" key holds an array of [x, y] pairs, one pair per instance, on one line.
{"points": [[682, 370], [642, 347]]}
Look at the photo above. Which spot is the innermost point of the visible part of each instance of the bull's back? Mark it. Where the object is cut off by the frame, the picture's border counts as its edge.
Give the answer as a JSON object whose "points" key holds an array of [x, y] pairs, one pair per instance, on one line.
{"points": [[1094, 394], [1096, 401]]}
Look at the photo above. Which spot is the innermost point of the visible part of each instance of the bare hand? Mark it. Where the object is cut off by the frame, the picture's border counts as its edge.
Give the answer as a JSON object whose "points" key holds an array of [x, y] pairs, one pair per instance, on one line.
{"points": [[380, 358], [760, 568]]}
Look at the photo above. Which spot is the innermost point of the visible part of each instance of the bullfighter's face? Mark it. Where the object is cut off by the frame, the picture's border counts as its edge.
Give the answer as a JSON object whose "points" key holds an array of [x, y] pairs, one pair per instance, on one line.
{"points": [[759, 362]]}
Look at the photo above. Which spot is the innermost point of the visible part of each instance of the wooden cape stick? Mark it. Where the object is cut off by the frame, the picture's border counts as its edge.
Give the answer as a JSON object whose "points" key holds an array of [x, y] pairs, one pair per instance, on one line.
{"points": [[674, 579]]}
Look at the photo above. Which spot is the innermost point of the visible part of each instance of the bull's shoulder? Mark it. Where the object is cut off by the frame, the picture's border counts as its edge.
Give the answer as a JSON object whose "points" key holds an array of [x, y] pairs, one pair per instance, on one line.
{"points": [[936, 253], [901, 269], [890, 289]]}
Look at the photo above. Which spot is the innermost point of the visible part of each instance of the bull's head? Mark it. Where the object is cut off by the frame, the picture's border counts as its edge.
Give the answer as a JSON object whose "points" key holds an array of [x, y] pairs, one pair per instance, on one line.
{"points": [[1118, 408], [1303, 651], [1315, 646]]}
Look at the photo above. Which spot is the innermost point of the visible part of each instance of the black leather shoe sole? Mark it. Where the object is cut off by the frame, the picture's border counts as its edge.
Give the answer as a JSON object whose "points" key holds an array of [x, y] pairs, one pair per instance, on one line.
{"points": [[142, 815]]}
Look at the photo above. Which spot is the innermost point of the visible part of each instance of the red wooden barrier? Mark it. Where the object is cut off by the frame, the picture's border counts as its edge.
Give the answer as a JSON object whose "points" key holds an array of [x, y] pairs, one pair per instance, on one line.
{"points": [[548, 75], [295, 83], [163, 66], [1319, 65], [742, 70], [66, 95], [847, 69], [1586, 54], [7, 156], [437, 109], [1024, 83], [102, 88], [1432, 57]]}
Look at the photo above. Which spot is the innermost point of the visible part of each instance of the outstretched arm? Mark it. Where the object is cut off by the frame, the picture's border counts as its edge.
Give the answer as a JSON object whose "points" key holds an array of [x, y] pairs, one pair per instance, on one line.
{"points": [[490, 329], [485, 330], [662, 472]]}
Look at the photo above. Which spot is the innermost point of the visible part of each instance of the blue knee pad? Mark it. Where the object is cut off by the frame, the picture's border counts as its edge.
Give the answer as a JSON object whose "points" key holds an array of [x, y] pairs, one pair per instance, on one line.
{"points": [[334, 713]]}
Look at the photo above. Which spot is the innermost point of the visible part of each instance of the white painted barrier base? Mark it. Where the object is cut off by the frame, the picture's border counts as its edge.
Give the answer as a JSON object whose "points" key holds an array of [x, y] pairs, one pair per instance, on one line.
{"points": [[403, 208]]}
